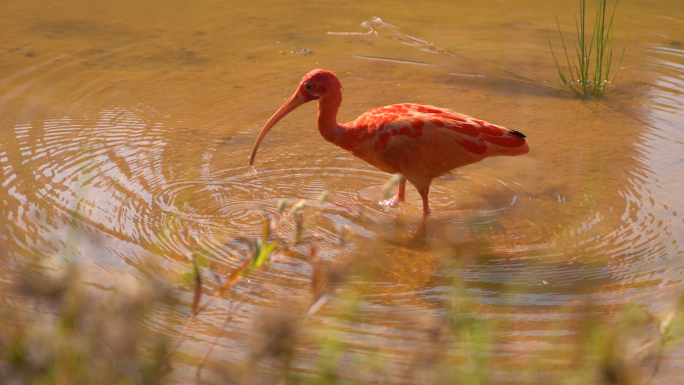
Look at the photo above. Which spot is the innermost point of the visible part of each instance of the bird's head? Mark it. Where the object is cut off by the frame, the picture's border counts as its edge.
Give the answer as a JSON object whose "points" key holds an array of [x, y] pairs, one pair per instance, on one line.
{"points": [[317, 84]]}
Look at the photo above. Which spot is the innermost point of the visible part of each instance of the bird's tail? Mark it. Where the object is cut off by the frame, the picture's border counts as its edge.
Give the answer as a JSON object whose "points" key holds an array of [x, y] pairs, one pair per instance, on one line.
{"points": [[510, 143]]}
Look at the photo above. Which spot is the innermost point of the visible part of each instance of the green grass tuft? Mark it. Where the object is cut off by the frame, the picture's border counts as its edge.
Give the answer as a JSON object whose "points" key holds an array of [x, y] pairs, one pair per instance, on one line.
{"points": [[590, 74]]}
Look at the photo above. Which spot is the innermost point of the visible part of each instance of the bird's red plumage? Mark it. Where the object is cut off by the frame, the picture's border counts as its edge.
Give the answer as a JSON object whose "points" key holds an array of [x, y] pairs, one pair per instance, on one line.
{"points": [[428, 140], [419, 141]]}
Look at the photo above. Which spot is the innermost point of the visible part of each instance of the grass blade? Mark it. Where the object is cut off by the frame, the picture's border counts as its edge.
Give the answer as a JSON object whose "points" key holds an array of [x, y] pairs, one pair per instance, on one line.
{"points": [[623, 51], [567, 57], [594, 58]]}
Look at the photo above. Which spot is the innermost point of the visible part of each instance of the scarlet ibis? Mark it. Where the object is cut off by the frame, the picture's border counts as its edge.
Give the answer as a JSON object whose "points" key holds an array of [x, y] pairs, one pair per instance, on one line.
{"points": [[420, 142]]}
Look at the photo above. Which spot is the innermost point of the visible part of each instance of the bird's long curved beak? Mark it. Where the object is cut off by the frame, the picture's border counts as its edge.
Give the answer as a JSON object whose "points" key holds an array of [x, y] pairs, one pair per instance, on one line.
{"points": [[293, 102]]}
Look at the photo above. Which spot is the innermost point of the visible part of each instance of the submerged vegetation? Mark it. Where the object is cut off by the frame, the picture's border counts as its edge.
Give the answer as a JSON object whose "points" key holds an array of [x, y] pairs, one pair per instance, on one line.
{"points": [[589, 75], [94, 336]]}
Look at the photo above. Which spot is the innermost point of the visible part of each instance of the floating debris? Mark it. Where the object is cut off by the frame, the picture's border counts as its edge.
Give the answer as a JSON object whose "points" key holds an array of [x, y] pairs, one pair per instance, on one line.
{"points": [[303, 51], [471, 75], [402, 61], [365, 24], [402, 37], [381, 22]]}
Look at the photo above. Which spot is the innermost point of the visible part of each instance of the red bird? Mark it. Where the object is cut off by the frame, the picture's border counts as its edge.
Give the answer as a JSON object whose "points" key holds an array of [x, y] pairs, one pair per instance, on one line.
{"points": [[420, 142]]}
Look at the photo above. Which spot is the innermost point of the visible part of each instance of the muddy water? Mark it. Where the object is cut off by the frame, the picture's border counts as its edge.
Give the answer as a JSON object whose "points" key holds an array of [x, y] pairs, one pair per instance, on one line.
{"points": [[125, 129]]}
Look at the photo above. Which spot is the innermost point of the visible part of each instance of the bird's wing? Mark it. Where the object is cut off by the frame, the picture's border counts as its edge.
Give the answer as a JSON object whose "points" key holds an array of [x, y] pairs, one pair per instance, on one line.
{"points": [[429, 140]]}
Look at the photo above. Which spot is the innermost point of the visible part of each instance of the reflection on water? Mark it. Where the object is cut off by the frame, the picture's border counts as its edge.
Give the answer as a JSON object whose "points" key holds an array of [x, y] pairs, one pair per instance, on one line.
{"points": [[124, 137]]}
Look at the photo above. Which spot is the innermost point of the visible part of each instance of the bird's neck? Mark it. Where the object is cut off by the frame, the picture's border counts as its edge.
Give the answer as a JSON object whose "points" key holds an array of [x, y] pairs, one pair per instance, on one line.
{"points": [[327, 121]]}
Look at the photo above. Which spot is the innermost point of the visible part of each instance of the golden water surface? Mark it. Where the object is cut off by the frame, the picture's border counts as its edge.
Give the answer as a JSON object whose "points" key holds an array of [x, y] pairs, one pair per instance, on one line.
{"points": [[126, 126]]}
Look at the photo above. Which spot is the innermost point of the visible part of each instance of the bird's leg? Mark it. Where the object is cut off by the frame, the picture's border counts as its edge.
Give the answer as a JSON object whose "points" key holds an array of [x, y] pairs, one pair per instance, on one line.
{"points": [[400, 197], [401, 194], [424, 194]]}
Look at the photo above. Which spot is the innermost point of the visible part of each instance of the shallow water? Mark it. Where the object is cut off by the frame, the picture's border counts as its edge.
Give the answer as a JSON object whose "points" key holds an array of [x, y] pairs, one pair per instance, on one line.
{"points": [[125, 130]]}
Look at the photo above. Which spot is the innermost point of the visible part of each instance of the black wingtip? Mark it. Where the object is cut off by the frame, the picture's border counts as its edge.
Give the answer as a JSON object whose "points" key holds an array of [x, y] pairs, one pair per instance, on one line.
{"points": [[520, 134]]}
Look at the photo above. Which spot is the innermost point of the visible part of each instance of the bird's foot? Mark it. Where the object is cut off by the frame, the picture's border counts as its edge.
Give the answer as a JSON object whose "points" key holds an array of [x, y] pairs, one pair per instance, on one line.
{"points": [[392, 202]]}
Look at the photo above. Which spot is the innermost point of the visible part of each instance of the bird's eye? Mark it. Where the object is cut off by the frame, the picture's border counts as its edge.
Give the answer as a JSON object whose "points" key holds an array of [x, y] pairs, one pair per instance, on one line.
{"points": [[308, 87]]}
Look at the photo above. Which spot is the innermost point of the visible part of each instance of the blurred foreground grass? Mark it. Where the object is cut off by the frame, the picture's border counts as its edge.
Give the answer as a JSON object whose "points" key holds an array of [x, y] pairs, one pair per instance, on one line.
{"points": [[57, 329]]}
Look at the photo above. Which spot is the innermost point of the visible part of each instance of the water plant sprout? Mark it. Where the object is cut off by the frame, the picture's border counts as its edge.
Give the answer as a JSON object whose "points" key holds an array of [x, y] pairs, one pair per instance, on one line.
{"points": [[591, 75]]}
